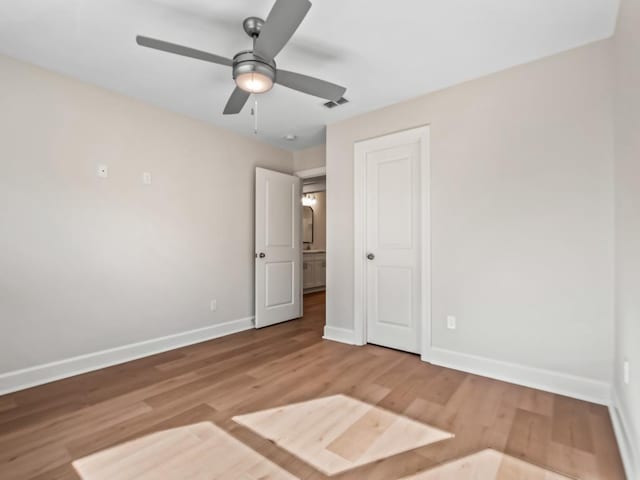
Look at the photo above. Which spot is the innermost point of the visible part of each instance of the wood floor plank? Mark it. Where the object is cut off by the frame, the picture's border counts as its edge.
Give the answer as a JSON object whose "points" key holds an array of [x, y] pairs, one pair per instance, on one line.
{"points": [[157, 420], [571, 426], [356, 439], [24, 415], [338, 433], [34, 462], [487, 464], [63, 472], [200, 450], [55, 432], [530, 436], [7, 404], [443, 386]]}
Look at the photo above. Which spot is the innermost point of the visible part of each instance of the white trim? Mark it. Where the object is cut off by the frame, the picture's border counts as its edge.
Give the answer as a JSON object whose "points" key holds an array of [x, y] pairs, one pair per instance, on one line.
{"points": [[561, 383], [341, 335], [314, 289], [622, 427], [312, 172], [421, 135], [425, 238], [359, 281], [49, 372]]}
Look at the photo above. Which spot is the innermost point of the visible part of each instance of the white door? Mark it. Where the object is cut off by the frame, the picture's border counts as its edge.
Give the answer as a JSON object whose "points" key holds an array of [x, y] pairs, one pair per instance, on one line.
{"points": [[392, 241], [278, 248]]}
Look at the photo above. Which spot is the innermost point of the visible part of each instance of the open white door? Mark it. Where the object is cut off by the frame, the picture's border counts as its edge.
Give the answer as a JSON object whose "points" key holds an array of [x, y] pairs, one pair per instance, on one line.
{"points": [[278, 248]]}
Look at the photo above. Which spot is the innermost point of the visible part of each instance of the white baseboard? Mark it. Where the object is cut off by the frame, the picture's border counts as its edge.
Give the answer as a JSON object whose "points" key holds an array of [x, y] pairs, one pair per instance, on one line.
{"points": [[563, 384], [342, 335], [622, 426], [40, 374], [313, 289]]}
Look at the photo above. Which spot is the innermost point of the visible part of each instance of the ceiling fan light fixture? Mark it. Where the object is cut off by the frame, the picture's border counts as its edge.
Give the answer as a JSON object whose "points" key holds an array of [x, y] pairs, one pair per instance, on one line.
{"points": [[252, 74], [254, 82]]}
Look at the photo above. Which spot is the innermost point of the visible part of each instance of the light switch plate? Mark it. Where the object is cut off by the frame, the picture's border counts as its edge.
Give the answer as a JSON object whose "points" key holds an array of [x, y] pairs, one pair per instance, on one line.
{"points": [[451, 322], [103, 171], [146, 178]]}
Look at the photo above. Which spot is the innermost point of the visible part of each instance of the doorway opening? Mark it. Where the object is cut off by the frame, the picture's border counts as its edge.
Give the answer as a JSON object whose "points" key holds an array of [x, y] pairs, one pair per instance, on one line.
{"points": [[290, 256], [314, 241]]}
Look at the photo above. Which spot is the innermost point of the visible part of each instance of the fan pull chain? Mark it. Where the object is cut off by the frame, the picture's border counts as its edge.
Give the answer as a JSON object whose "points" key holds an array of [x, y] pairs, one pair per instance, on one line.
{"points": [[254, 112]]}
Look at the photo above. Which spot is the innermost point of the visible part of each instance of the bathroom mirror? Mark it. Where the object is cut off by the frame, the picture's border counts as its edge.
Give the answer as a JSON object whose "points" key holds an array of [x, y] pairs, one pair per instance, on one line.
{"points": [[307, 224]]}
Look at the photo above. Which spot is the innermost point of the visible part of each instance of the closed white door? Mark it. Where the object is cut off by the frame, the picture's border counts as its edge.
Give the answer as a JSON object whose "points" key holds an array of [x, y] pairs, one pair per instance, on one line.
{"points": [[392, 237], [278, 258]]}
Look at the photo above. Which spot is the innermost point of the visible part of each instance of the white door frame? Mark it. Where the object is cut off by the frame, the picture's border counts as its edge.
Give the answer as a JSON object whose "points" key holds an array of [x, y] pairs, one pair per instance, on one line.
{"points": [[311, 173], [421, 135]]}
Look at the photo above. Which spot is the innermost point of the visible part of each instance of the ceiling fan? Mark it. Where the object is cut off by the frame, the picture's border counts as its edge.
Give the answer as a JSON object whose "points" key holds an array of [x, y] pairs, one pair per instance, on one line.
{"points": [[254, 71]]}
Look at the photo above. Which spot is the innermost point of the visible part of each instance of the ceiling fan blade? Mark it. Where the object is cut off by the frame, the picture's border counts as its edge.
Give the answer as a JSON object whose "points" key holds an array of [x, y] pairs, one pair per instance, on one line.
{"points": [[236, 101], [283, 20], [180, 50], [311, 85]]}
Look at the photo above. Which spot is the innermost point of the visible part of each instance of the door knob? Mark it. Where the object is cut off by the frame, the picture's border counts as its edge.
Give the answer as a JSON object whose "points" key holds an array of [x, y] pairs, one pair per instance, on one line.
{"points": [[370, 256], [262, 255]]}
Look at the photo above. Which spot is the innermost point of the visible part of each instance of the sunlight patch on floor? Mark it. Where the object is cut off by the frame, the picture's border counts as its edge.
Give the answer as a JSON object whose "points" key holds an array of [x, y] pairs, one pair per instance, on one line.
{"points": [[199, 451], [338, 433], [487, 465]]}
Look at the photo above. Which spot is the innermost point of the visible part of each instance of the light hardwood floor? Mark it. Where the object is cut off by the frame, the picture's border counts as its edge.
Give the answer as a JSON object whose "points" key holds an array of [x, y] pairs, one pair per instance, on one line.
{"points": [[44, 429], [488, 465], [199, 451], [337, 433]]}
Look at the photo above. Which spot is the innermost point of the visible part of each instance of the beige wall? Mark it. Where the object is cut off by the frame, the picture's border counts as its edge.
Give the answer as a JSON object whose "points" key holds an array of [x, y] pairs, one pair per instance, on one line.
{"points": [[88, 263], [521, 189], [308, 158], [627, 130]]}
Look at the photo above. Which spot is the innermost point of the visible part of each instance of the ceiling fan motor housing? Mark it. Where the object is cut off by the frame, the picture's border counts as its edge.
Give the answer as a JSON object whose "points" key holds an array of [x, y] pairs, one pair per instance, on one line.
{"points": [[249, 62]]}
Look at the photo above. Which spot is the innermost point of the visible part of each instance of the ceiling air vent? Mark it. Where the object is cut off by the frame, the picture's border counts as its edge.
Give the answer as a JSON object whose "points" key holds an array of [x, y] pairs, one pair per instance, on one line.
{"points": [[337, 103]]}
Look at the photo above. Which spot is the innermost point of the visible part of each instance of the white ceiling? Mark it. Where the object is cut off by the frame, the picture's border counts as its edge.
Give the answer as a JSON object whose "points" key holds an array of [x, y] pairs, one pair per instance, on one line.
{"points": [[383, 51]]}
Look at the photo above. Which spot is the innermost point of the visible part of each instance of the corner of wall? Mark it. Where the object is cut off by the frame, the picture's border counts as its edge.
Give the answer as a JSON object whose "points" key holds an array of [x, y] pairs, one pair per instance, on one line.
{"points": [[623, 429], [550, 381], [625, 409], [312, 157], [341, 335]]}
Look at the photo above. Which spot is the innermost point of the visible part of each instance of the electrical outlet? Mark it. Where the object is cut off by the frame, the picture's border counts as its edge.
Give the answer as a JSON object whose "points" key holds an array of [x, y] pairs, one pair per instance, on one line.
{"points": [[625, 372], [451, 322], [146, 178], [213, 305], [103, 171]]}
